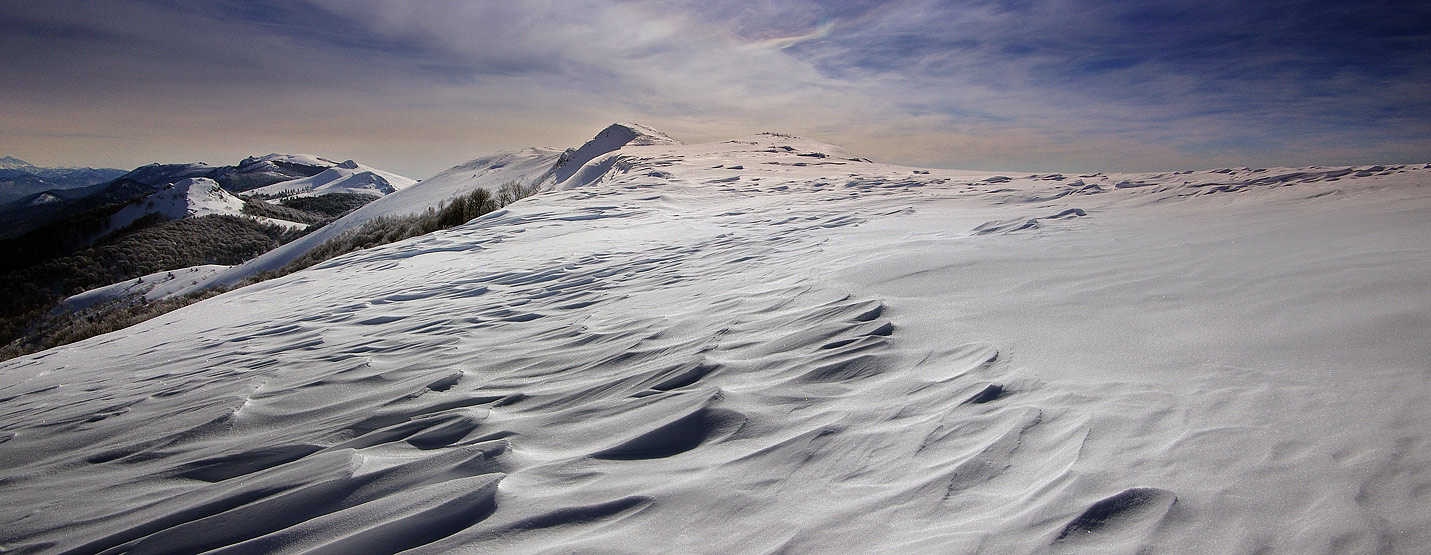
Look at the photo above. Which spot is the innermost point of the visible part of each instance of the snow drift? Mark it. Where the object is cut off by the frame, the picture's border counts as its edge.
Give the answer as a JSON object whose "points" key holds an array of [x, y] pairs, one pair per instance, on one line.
{"points": [[771, 345]]}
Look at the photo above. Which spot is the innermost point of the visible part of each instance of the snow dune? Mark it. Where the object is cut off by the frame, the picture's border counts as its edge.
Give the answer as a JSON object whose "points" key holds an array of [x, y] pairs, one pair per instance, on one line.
{"points": [[769, 345]]}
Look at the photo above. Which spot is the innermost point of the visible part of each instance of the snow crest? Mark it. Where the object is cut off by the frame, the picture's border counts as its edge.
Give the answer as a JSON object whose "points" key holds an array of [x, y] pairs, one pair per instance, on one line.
{"points": [[591, 160]]}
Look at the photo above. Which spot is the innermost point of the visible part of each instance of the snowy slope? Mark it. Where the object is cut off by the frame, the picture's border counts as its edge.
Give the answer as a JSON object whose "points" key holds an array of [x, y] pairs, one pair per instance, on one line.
{"points": [[546, 167], [590, 161], [188, 198], [151, 287], [768, 345], [346, 177]]}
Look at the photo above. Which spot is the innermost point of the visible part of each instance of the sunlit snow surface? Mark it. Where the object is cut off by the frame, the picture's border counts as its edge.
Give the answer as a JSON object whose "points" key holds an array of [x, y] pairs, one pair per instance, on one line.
{"points": [[766, 345]]}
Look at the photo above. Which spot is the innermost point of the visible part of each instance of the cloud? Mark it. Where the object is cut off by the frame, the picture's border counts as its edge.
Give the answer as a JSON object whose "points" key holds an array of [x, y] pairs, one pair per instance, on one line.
{"points": [[419, 86]]}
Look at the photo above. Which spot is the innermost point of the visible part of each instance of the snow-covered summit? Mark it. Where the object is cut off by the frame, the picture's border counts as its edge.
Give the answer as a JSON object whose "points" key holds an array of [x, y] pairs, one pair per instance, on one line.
{"points": [[198, 196], [277, 160], [614, 137], [277, 172], [545, 167], [186, 198], [13, 163], [345, 177]]}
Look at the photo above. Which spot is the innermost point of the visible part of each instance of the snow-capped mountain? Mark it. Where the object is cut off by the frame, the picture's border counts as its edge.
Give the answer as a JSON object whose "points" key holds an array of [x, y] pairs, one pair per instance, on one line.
{"points": [[28, 212], [346, 177], [276, 174], [596, 157], [548, 168], [187, 198], [13, 163], [772, 345]]}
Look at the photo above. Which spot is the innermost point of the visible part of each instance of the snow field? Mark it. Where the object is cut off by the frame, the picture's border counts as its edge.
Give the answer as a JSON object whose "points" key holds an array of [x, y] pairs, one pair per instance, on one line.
{"points": [[769, 344]]}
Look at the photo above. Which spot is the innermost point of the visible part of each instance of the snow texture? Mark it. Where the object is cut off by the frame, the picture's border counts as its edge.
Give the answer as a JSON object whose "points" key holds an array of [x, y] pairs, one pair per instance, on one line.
{"points": [[771, 345]]}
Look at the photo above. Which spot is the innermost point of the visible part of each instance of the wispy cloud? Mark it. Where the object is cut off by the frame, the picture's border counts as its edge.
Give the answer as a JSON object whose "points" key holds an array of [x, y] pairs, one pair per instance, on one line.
{"points": [[418, 86]]}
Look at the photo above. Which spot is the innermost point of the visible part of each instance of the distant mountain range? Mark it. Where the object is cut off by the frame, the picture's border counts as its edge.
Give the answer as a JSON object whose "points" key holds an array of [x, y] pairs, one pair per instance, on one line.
{"points": [[19, 179], [35, 200], [61, 240]]}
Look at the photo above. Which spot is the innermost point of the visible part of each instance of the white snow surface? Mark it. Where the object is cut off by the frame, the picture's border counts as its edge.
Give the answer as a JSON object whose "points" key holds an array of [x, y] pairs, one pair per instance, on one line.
{"points": [[766, 345], [151, 287], [346, 177]]}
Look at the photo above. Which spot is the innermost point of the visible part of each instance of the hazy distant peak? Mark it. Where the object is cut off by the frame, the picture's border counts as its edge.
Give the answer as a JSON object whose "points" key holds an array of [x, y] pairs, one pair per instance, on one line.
{"points": [[12, 163]]}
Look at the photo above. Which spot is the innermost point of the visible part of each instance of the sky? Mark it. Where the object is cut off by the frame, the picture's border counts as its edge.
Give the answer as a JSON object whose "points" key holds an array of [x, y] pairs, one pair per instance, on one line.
{"points": [[418, 86]]}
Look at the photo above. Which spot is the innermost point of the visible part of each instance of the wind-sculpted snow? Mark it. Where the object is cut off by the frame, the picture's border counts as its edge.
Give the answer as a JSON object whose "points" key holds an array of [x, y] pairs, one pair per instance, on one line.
{"points": [[746, 347]]}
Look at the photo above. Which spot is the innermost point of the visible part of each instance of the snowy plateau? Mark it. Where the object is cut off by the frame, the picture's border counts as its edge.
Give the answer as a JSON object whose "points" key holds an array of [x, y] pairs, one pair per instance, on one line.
{"points": [[772, 345]]}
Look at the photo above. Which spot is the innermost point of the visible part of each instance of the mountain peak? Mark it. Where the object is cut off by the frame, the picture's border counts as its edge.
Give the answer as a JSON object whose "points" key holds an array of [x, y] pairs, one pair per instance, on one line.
{"points": [[614, 137], [13, 163], [634, 134]]}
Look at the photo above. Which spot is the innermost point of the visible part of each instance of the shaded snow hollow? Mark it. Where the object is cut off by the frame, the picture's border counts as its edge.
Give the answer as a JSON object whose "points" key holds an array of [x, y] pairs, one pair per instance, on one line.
{"points": [[769, 344]]}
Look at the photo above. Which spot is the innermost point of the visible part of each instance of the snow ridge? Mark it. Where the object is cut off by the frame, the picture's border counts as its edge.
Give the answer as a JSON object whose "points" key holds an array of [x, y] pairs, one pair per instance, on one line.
{"points": [[345, 177], [613, 138]]}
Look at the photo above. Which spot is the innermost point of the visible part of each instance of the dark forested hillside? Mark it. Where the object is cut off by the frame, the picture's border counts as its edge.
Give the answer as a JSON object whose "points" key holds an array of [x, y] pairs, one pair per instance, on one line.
{"points": [[36, 288]]}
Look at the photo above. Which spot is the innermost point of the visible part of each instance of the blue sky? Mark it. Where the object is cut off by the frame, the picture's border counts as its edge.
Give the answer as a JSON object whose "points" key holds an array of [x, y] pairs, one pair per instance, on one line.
{"points": [[419, 86]]}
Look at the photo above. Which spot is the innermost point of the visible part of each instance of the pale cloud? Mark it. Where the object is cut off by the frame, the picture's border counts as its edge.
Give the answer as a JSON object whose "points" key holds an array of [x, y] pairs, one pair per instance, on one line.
{"points": [[419, 86]]}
